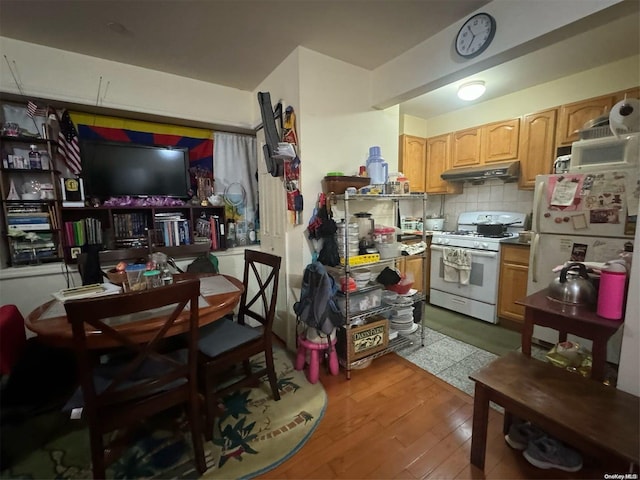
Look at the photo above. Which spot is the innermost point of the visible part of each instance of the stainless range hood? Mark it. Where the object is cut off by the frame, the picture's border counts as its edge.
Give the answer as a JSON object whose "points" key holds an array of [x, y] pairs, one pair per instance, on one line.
{"points": [[506, 171]]}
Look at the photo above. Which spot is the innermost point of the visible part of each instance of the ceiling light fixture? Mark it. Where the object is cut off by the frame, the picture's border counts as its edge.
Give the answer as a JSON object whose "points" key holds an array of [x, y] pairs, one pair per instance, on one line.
{"points": [[117, 27], [472, 90]]}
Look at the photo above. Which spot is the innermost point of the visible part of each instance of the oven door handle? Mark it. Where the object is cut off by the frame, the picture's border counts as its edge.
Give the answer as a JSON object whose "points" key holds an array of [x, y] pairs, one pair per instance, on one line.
{"points": [[474, 253]]}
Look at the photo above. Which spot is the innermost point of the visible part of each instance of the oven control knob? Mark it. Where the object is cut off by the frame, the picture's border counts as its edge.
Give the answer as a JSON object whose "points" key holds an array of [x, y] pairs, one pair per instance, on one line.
{"points": [[484, 245], [446, 241]]}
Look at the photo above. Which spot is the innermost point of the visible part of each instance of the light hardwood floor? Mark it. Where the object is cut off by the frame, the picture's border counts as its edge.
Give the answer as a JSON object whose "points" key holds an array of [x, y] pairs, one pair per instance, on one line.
{"points": [[395, 420]]}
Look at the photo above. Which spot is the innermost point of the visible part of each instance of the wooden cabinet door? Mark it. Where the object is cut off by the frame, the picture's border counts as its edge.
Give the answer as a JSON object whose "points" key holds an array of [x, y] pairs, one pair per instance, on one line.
{"points": [[413, 265], [466, 148], [574, 115], [630, 93], [413, 152], [439, 160], [514, 267], [537, 146], [499, 141]]}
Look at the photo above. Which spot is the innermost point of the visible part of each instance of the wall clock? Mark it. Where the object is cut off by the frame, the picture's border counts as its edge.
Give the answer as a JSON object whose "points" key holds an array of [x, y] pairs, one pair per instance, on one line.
{"points": [[475, 35]]}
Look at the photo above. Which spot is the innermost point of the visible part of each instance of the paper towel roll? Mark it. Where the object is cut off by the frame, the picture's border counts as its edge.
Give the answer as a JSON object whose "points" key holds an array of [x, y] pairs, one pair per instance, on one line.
{"points": [[625, 116]]}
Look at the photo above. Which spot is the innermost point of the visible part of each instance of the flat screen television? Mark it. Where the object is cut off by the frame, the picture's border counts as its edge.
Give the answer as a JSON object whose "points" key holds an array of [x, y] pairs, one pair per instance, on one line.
{"points": [[113, 169]]}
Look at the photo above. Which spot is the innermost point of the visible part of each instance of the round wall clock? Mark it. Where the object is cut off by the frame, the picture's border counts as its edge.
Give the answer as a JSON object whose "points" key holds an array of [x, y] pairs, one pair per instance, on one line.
{"points": [[475, 35]]}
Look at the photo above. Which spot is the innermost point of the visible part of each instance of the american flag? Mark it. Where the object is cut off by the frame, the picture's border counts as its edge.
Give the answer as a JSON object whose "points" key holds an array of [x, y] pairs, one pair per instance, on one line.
{"points": [[68, 146], [34, 111]]}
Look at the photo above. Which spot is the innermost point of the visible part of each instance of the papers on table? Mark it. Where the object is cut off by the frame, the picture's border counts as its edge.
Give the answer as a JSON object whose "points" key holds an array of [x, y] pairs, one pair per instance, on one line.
{"points": [[86, 291], [216, 285]]}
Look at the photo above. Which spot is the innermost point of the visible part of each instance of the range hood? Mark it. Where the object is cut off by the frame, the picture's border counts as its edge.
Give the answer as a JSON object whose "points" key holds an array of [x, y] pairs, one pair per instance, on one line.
{"points": [[506, 171]]}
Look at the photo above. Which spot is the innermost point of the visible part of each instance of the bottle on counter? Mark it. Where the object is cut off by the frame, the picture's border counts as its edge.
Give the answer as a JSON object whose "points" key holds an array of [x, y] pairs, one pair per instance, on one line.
{"points": [[35, 159], [611, 292]]}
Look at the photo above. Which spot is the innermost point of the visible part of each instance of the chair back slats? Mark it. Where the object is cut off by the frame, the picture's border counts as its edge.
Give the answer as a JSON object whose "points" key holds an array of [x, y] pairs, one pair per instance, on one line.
{"points": [[127, 382], [262, 269], [146, 377]]}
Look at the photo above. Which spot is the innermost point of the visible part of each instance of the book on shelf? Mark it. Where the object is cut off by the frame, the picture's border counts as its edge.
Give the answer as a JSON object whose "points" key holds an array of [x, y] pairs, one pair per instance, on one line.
{"points": [[13, 220], [30, 226], [87, 231], [173, 232], [218, 238], [25, 208]]}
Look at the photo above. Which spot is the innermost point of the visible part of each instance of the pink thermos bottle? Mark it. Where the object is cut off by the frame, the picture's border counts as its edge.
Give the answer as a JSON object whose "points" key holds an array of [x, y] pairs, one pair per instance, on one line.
{"points": [[613, 282]]}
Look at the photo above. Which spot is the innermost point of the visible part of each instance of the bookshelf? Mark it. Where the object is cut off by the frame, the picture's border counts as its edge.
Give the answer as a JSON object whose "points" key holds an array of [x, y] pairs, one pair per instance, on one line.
{"points": [[29, 195], [175, 230]]}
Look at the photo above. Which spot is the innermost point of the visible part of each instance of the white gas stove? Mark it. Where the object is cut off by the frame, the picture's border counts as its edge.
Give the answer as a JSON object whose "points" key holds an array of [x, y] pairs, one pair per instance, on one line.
{"points": [[474, 290], [467, 236]]}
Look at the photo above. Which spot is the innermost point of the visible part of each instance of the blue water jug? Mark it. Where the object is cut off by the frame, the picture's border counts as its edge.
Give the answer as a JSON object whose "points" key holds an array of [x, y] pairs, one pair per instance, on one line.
{"points": [[377, 168]]}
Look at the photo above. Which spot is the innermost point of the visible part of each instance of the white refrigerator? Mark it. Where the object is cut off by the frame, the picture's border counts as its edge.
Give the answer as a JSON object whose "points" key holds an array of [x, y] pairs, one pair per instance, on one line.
{"points": [[587, 217]]}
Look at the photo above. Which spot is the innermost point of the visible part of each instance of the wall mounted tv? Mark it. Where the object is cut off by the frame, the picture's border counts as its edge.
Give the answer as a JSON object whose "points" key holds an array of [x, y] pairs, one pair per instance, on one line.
{"points": [[113, 169]]}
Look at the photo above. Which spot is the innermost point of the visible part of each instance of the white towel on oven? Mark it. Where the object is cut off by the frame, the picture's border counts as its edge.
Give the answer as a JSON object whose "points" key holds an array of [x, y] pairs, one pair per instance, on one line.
{"points": [[457, 265]]}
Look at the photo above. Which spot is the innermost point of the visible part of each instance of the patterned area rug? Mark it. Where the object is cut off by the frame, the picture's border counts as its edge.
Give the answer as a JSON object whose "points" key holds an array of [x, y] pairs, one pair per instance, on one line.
{"points": [[254, 435]]}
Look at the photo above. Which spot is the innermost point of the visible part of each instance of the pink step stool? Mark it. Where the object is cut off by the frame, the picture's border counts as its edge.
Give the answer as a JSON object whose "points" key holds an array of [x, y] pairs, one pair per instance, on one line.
{"points": [[314, 352]]}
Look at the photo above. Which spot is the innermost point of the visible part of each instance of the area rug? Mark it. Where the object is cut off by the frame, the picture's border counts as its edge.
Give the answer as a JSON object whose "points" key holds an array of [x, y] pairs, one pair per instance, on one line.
{"points": [[486, 336], [253, 436]]}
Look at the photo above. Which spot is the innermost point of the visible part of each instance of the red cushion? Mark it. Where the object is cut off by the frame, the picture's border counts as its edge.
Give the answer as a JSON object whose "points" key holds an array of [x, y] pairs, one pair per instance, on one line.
{"points": [[12, 337]]}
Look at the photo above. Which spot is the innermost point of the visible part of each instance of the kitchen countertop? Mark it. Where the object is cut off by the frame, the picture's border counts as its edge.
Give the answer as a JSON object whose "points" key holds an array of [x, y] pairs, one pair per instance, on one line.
{"points": [[515, 241]]}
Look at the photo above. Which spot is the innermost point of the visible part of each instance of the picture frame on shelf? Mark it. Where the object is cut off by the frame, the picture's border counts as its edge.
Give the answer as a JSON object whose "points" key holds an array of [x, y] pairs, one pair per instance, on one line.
{"points": [[72, 192]]}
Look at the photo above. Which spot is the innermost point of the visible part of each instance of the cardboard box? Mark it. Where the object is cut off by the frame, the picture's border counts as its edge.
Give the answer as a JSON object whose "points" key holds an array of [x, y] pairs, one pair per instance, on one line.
{"points": [[367, 339]]}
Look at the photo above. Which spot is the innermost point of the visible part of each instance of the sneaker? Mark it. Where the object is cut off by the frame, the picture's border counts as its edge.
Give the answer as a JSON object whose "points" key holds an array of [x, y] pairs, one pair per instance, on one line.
{"points": [[547, 452], [520, 434]]}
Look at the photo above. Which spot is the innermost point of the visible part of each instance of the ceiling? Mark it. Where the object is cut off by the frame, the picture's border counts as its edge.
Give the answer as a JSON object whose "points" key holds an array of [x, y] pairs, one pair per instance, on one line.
{"points": [[237, 43]]}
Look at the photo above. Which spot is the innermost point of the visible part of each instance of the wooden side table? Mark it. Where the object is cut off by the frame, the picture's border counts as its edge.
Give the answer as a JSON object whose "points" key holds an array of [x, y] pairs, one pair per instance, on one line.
{"points": [[578, 320]]}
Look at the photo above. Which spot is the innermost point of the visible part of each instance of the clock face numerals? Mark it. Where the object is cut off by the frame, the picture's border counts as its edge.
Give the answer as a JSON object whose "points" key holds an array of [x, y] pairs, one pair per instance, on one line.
{"points": [[475, 35]]}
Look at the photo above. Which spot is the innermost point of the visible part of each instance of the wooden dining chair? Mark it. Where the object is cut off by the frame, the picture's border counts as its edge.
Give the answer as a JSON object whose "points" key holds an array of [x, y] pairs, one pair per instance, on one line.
{"points": [[227, 343], [145, 378]]}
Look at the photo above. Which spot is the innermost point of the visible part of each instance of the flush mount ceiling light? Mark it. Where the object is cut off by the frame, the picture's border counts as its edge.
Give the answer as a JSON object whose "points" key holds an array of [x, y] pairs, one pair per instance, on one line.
{"points": [[472, 90], [117, 27]]}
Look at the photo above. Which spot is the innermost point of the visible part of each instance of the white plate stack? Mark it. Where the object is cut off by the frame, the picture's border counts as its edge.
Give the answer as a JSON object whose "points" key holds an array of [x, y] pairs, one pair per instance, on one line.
{"points": [[401, 320]]}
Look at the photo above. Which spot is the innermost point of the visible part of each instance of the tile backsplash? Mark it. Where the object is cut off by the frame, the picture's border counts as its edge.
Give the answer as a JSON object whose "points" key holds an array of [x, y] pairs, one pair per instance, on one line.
{"points": [[491, 195]]}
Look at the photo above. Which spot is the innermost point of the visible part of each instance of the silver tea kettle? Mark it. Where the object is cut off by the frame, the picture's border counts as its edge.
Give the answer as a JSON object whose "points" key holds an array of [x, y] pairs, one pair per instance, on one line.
{"points": [[572, 286]]}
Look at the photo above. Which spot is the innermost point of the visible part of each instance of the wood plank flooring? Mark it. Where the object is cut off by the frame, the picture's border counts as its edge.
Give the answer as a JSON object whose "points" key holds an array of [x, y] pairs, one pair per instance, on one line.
{"points": [[395, 420]]}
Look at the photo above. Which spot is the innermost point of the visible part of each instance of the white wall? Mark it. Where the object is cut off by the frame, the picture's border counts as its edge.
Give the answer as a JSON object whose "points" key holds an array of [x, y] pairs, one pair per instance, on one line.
{"points": [[336, 126], [69, 77]]}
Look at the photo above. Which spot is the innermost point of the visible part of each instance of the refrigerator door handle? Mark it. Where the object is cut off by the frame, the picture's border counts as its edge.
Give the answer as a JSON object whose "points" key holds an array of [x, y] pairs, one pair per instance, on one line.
{"points": [[534, 257], [537, 206]]}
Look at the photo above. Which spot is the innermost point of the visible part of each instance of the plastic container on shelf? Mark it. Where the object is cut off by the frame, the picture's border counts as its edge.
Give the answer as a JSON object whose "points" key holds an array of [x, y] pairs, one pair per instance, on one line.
{"points": [[388, 250], [361, 301], [384, 234]]}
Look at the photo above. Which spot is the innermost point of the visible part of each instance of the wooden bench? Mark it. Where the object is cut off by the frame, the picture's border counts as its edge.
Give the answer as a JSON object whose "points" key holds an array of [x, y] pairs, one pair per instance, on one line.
{"points": [[591, 417]]}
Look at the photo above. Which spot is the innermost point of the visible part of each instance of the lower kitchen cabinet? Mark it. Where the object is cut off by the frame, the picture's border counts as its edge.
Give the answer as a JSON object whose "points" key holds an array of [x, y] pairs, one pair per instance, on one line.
{"points": [[414, 265], [514, 266]]}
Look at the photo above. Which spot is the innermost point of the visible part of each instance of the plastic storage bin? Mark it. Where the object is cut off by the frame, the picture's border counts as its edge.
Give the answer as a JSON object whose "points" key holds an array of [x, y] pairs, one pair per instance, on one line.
{"points": [[361, 301]]}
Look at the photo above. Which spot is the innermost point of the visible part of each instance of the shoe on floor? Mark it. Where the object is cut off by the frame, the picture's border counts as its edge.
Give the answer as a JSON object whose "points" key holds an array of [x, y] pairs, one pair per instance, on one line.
{"points": [[547, 452], [520, 434]]}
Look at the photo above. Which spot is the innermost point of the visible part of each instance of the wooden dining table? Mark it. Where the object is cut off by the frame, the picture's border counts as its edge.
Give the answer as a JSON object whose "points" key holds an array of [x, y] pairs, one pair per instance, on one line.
{"points": [[219, 296]]}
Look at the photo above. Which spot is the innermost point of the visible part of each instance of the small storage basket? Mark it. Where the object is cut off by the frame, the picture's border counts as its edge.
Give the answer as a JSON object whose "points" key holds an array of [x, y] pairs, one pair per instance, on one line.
{"points": [[338, 185]]}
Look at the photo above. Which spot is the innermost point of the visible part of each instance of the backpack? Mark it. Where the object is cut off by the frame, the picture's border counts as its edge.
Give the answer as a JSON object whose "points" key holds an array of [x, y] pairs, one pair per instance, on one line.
{"points": [[204, 264], [317, 307]]}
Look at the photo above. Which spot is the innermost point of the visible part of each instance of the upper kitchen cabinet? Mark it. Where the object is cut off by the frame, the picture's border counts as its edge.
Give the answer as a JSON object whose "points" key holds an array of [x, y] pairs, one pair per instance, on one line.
{"points": [[413, 152], [499, 141], [537, 146], [439, 160], [631, 93], [574, 116], [494, 142], [466, 148]]}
